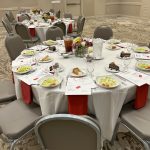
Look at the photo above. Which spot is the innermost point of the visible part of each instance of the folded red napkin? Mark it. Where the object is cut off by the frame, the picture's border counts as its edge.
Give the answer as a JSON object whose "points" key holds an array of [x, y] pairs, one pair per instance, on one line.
{"points": [[141, 96], [26, 92], [77, 104], [70, 28], [32, 32]]}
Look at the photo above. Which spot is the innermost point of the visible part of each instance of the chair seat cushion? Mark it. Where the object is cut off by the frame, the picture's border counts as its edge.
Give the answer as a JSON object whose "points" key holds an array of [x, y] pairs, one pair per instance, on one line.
{"points": [[138, 119], [16, 118], [7, 91]]}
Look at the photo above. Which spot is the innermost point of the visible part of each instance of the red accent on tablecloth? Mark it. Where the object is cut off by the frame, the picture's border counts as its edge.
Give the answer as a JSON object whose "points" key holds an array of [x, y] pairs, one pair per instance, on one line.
{"points": [[26, 92], [70, 28], [32, 32], [141, 96], [77, 104]]}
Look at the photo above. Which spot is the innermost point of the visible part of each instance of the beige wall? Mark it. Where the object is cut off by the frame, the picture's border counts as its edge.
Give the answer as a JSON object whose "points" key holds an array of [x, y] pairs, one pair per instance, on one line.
{"points": [[137, 8]]}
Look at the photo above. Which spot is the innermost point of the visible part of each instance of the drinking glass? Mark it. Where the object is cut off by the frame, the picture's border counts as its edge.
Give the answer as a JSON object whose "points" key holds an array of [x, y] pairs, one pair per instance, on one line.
{"points": [[90, 68], [68, 41], [126, 63]]}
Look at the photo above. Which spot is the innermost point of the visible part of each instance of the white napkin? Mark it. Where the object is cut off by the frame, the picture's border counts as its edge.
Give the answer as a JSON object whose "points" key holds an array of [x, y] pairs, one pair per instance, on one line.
{"points": [[142, 56], [79, 86], [135, 77]]}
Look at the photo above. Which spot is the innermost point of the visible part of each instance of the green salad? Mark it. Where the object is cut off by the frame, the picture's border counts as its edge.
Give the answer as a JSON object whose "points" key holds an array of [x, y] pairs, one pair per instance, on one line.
{"points": [[28, 52], [50, 82], [141, 49]]}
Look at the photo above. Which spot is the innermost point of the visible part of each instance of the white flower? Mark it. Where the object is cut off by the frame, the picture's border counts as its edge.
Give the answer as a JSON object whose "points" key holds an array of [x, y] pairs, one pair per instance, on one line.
{"points": [[83, 44]]}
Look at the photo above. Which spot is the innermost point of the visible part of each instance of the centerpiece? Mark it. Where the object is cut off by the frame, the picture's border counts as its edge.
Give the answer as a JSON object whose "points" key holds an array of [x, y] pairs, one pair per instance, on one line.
{"points": [[80, 45]]}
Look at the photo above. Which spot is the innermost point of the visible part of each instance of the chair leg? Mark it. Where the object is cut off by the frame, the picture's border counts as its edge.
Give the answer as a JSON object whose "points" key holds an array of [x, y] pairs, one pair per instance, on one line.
{"points": [[12, 146]]}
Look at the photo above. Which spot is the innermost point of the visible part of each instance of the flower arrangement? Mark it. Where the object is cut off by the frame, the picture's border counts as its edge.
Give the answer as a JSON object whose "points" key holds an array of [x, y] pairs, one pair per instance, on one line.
{"points": [[80, 46]]}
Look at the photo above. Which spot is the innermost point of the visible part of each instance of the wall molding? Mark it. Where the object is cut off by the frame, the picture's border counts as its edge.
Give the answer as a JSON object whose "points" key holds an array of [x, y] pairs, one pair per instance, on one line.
{"points": [[9, 8], [123, 3]]}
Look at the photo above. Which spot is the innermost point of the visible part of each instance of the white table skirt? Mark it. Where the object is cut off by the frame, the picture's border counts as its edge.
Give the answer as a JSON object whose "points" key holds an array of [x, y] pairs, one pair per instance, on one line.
{"points": [[106, 104]]}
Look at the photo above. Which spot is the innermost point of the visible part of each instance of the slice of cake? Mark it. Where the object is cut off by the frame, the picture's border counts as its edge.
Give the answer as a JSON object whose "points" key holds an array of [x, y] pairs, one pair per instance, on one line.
{"points": [[76, 71], [125, 54], [112, 65]]}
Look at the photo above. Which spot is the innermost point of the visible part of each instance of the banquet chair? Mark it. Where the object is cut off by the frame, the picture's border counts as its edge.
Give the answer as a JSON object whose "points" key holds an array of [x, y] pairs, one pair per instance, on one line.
{"points": [[68, 132], [68, 15], [137, 122], [7, 25], [53, 32], [14, 45], [52, 10], [80, 27], [10, 17], [24, 17], [58, 14], [77, 23], [17, 120], [7, 91], [103, 32], [24, 33], [61, 25]]}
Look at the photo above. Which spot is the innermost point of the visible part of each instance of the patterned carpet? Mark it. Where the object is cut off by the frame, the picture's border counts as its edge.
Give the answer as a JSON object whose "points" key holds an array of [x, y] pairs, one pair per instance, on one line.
{"points": [[126, 29]]}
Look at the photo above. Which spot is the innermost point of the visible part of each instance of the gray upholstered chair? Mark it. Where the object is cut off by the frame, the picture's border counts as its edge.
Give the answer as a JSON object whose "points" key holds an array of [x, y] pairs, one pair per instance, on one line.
{"points": [[7, 25], [68, 132], [14, 45], [68, 15], [52, 10], [137, 122], [24, 33], [24, 17], [61, 25], [80, 27], [10, 17], [58, 14], [53, 32], [17, 120], [103, 32], [7, 91]]}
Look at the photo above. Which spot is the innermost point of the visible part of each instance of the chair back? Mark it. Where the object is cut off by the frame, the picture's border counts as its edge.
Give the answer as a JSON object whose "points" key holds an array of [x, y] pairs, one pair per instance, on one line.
{"points": [[103, 32], [52, 10], [61, 25], [68, 132], [14, 45], [53, 32], [68, 15], [78, 21], [80, 25], [23, 31], [24, 17], [10, 16], [58, 14], [7, 25]]}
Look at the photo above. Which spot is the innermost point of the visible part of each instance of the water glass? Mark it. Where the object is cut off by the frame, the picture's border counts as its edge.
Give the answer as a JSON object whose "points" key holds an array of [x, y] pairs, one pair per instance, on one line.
{"points": [[90, 68], [126, 63]]}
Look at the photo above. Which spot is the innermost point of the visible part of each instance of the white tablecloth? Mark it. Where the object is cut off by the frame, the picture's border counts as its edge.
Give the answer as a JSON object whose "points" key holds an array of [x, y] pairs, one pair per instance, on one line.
{"points": [[104, 103]]}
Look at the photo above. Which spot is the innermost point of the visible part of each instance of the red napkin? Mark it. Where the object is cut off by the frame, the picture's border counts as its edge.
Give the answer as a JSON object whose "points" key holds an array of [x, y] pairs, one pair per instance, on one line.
{"points": [[141, 96], [26, 92], [32, 32], [77, 104], [70, 28]]}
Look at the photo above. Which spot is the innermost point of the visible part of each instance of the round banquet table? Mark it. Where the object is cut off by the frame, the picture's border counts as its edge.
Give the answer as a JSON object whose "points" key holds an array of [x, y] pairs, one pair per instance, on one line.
{"points": [[106, 104]]}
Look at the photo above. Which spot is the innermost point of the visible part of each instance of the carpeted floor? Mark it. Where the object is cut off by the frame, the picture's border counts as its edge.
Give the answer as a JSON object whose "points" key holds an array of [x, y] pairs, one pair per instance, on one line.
{"points": [[126, 29]]}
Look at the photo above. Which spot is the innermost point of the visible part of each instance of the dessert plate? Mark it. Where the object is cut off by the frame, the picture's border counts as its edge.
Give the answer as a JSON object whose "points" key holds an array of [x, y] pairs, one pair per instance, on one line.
{"points": [[77, 72]]}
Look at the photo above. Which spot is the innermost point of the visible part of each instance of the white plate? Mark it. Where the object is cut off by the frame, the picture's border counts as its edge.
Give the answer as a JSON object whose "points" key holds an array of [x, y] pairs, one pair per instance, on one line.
{"points": [[114, 41], [82, 74], [51, 81], [113, 49], [59, 69], [131, 56], [50, 42], [28, 52], [142, 49], [142, 65], [107, 81], [23, 71], [46, 61]]}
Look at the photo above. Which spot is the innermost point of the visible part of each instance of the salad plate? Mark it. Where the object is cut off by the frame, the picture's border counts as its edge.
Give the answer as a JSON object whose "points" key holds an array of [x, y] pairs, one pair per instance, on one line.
{"points": [[23, 69], [143, 65]]}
